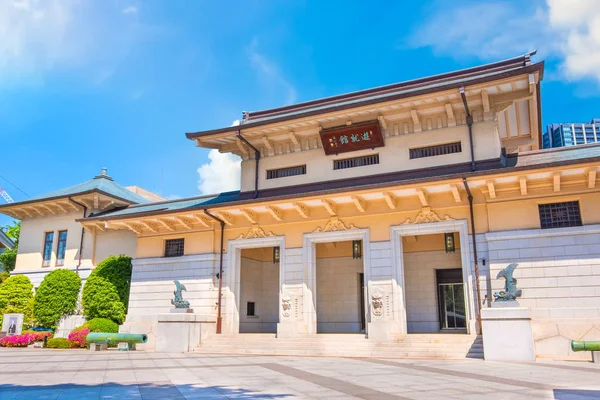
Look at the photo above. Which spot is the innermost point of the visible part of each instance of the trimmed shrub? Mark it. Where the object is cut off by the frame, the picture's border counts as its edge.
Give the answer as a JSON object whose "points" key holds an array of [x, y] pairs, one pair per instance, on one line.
{"points": [[58, 343], [78, 335], [16, 296], [117, 270], [56, 296], [100, 300], [102, 325]]}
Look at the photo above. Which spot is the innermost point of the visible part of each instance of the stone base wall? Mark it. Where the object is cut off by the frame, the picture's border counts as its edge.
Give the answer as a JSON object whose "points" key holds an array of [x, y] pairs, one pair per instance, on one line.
{"points": [[559, 273]]}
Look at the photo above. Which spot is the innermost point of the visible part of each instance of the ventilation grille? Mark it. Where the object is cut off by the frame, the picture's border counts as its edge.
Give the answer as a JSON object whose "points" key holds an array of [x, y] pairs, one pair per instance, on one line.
{"points": [[284, 172], [439, 150], [356, 162], [560, 215]]}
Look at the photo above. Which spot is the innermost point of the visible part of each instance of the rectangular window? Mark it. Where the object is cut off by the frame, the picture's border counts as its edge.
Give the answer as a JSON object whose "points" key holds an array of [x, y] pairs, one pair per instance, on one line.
{"points": [[356, 162], [48, 243], [62, 248], [559, 215], [285, 172], [438, 150], [250, 309], [174, 247]]}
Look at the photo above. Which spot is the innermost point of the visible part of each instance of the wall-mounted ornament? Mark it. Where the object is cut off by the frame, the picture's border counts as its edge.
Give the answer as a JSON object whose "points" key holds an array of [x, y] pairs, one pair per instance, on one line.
{"points": [[377, 303], [255, 232], [286, 304], [426, 215], [449, 243], [335, 225]]}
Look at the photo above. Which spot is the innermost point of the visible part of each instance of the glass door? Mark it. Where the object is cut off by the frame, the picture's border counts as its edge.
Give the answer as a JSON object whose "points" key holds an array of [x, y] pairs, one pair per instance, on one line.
{"points": [[452, 306]]}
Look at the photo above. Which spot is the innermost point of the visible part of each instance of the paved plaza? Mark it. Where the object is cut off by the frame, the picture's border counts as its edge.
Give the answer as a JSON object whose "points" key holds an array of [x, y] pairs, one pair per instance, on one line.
{"points": [[80, 374]]}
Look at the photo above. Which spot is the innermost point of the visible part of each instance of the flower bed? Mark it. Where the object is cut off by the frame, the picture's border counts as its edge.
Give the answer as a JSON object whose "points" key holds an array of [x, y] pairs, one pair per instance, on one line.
{"points": [[77, 336], [23, 340]]}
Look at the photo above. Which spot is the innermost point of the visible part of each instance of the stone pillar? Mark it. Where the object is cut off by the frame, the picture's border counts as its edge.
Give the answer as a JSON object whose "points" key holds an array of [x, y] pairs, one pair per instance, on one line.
{"points": [[507, 334]]}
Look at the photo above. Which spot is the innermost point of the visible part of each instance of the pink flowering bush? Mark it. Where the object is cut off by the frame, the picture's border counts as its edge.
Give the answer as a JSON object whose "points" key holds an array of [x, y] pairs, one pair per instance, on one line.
{"points": [[23, 340], [77, 336]]}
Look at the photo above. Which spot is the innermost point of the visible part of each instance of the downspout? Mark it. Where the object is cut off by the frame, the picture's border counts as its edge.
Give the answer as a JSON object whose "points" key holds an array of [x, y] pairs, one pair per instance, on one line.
{"points": [[470, 197], [469, 125], [82, 234], [219, 300], [256, 157]]}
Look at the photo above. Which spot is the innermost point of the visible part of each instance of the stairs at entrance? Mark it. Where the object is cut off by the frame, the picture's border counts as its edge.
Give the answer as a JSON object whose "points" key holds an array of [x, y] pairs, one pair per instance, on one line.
{"points": [[347, 345]]}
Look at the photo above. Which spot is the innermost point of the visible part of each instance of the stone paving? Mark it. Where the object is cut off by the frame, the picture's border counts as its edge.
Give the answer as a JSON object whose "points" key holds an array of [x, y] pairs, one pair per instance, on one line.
{"points": [[80, 374]]}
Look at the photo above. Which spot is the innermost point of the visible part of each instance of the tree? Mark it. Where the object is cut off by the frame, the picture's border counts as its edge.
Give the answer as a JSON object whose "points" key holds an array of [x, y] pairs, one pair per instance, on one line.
{"points": [[16, 296], [56, 296], [8, 259]]}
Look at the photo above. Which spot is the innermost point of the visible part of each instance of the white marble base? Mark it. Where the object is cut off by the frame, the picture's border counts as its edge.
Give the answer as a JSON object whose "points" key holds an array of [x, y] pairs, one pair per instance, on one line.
{"points": [[596, 357], [182, 332], [507, 334], [505, 304]]}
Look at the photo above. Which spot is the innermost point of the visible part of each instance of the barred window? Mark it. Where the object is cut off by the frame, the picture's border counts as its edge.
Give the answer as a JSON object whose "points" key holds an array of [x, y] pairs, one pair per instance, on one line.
{"points": [[559, 215], [356, 162], [285, 172], [250, 309], [174, 247], [438, 150]]}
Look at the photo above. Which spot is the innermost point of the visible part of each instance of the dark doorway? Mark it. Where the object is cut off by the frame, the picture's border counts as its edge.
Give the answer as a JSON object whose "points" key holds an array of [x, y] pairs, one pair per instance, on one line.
{"points": [[361, 277], [451, 299]]}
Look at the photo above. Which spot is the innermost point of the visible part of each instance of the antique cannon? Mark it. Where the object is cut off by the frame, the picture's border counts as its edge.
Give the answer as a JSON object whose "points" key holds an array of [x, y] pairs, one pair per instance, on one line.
{"points": [[593, 346], [102, 337]]}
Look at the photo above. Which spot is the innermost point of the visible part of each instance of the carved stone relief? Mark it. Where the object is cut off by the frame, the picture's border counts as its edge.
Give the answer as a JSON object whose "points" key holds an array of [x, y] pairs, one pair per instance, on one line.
{"points": [[426, 215], [334, 225], [286, 304], [255, 232], [377, 303]]}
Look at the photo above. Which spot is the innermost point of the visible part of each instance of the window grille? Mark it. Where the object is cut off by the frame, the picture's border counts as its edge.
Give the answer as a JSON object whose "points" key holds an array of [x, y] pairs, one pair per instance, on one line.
{"points": [[251, 309], [174, 247], [356, 162], [285, 172], [438, 150], [559, 215]]}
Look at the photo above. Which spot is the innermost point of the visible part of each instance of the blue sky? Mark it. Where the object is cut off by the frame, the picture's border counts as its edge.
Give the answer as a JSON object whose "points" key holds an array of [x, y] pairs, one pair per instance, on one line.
{"points": [[117, 83]]}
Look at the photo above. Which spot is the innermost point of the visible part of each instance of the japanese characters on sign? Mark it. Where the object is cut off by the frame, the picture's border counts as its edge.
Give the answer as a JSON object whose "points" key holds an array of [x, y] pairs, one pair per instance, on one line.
{"points": [[365, 135]]}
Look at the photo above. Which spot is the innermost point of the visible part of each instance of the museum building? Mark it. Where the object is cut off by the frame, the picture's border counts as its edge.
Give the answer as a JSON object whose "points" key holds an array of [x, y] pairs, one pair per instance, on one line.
{"points": [[383, 214]]}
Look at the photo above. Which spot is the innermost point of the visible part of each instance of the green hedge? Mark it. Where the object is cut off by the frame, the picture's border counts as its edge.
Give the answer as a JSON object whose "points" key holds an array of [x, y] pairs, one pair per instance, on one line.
{"points": [[58, 343], [16, 296], [56, 296], [106, 291], [102, 325], [100, 300]]}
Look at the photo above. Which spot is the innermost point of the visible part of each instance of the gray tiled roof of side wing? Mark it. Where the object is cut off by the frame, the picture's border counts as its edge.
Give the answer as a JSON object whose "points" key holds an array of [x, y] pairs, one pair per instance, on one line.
{"points": [[191, 203], [5, 240], [557, 155], [100, 183]]}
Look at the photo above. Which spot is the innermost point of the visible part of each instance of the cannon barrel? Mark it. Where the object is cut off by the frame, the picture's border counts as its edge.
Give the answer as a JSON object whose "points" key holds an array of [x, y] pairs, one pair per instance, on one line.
{"points": [[580, 345], [97, 337]]}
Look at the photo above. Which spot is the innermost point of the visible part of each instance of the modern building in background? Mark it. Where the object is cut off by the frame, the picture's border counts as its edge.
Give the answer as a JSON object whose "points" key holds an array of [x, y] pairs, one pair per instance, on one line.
{"points": [[567, 134]]}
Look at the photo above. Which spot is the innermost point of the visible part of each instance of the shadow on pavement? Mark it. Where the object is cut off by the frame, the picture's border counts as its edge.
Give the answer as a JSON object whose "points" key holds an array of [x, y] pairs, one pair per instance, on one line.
{"points": [[142, 391], [576, 394]]}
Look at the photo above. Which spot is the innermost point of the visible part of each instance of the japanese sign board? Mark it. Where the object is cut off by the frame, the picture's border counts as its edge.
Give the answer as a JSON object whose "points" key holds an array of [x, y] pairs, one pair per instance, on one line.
{"points": [[364, 135]]}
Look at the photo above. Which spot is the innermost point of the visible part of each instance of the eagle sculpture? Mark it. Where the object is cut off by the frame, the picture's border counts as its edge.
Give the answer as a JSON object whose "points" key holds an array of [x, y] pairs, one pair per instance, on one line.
{"points": [[178, 300], [510, 291]]}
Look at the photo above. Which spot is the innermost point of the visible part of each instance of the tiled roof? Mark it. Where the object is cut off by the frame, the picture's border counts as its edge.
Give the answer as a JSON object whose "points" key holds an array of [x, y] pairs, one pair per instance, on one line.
{"points": [[522, 161], [101, 183], [455, 79]]}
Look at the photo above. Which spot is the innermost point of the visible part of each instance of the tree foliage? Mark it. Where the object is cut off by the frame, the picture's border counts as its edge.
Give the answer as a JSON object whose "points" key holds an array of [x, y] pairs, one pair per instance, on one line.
{"points": [[8, 259], [56, 296], [117, 271], [100, 300], [16, 296], [102, 325]]}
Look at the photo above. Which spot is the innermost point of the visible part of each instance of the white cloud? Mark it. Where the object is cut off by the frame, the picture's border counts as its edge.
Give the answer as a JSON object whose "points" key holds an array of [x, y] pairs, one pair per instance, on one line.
{"points": [[221, 174], [39, 37], [130, 10], [568, 30], [269, 73]]}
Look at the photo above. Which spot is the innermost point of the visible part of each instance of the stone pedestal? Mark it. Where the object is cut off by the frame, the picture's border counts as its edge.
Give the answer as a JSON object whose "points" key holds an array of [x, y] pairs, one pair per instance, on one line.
{"points": [[596, 357], [507, 334], [181, 332]]}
